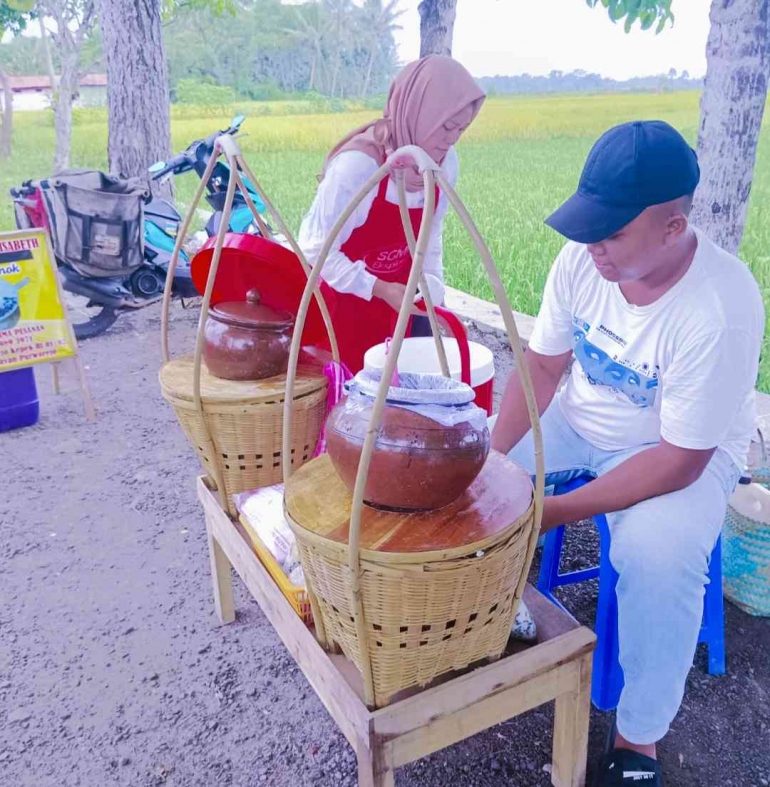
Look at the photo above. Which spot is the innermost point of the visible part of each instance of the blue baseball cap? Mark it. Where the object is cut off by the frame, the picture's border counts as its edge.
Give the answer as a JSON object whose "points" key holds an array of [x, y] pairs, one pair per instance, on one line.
{"points": [[630, 168]]}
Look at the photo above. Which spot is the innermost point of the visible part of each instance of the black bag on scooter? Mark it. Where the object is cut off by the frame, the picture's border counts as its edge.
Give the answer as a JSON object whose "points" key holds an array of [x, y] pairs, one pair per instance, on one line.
{"points": [[96, 221]]}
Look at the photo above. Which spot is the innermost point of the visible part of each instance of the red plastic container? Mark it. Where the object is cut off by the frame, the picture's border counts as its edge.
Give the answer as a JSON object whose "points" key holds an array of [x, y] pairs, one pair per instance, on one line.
{"points": [[19, 404], [470, 362], [250, 261]]}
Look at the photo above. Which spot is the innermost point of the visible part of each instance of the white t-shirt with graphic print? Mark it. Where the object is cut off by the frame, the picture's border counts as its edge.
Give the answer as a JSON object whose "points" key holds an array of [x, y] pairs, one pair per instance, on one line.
{"points": [[682, 368]]}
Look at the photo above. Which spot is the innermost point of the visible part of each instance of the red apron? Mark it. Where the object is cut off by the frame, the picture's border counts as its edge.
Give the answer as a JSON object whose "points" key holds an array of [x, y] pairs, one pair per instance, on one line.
{"points": [[381, 243]]}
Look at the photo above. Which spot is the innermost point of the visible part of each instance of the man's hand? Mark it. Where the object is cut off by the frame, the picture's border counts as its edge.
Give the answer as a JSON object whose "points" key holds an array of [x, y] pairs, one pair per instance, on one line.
{"points": [[393, 294], [656, 471], [513, 421]]}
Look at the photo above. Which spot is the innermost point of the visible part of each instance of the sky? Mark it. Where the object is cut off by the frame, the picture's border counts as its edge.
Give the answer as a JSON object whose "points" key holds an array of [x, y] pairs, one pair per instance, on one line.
{"points": [[537, 36]]}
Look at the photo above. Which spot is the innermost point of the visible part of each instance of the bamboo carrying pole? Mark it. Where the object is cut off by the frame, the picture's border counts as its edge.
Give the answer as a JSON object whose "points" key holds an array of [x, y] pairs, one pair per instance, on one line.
{"points": [[412, 243], [226, 146], [297, 250], [431, 174], [180, 239]]}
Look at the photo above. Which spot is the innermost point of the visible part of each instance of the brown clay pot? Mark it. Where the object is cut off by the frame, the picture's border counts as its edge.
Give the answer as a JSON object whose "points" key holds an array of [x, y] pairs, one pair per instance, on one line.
{"points": [[417, 463], [244, 340]]}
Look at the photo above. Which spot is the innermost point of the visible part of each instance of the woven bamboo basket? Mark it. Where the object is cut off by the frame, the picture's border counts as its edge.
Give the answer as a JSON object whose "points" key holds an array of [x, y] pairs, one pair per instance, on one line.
{"points": [[404, 619], [759, 468], [746, 543], [427, 611], [237, 434], [236, 427], [448, 614]]}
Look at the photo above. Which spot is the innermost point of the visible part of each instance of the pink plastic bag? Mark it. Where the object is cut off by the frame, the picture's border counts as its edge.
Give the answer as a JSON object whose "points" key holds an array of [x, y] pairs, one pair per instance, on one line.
{"points": [[337, 374]]}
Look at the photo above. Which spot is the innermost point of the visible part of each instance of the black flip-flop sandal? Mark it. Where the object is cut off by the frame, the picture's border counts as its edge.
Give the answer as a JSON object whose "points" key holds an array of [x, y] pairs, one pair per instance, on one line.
{"points": [[626, 768], [609, 745]]}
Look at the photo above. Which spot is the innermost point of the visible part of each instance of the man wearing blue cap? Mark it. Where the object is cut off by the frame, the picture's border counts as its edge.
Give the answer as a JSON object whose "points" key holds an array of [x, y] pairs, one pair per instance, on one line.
{"points": [[665, 328]]}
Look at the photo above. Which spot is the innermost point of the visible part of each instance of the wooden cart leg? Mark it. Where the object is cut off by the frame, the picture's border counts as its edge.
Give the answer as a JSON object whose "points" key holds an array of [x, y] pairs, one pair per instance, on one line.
{"points": [[85, 391], [221, 579], [570, 731], [374, 767]]}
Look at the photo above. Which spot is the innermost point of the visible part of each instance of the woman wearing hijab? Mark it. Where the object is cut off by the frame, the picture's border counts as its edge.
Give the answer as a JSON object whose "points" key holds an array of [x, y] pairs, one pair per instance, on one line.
{"points": [[430, 104]]}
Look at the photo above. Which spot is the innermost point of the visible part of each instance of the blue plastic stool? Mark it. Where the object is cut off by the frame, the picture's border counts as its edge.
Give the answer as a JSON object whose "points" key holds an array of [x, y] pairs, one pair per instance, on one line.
{"points": [[607, 672]]}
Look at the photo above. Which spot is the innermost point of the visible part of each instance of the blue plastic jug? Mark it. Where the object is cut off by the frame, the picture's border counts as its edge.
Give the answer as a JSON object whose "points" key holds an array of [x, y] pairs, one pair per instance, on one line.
{"points": [[19, 405]]}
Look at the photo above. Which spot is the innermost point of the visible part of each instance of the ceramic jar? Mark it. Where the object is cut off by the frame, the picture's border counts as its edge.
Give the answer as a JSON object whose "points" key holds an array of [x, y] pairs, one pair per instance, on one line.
{"points": [[245, 340], [418, 463]]}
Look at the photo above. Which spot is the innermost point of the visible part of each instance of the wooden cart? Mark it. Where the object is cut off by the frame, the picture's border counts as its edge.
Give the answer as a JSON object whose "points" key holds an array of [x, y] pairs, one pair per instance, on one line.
{"points": [[557, 668]]}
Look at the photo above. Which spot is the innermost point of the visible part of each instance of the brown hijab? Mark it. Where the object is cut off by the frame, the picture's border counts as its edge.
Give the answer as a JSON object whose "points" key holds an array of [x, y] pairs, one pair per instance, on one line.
{"points": [[425, 95]]}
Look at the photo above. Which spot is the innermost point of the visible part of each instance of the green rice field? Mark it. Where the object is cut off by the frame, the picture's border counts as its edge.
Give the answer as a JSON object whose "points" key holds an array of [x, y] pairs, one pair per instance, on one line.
{"points": [[518, 161]]}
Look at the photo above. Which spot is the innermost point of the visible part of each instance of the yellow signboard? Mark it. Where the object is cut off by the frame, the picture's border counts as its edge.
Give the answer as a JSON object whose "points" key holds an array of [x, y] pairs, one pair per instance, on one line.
{"points": [[33, 323]]}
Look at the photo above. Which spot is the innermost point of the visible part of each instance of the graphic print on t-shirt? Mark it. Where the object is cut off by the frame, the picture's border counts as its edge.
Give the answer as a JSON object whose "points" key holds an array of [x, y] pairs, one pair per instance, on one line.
{"points": [[601, 368]]}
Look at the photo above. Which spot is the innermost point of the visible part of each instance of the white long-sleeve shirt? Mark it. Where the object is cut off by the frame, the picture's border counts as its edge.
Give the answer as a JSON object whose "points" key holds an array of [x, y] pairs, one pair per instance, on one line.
{"points": [[346, 174]]}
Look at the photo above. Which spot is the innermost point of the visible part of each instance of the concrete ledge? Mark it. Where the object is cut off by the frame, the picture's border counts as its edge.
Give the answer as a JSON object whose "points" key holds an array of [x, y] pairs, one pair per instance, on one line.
{"points": [[763, 411], [486, 315]]}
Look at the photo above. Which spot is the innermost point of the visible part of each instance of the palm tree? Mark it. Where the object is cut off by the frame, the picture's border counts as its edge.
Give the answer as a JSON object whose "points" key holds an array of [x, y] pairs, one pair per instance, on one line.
{"points": [[340, 12], [313, 32], [380, 21]]}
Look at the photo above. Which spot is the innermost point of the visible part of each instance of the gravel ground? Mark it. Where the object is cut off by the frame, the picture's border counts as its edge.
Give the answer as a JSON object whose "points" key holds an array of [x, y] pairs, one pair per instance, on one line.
{"points": [[114, 672]]}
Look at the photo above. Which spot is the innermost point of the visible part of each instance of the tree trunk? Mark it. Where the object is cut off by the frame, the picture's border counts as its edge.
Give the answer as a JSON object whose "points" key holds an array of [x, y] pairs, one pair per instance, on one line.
{"points": [[732, 106], [6, 125], [337, 63], [48, 59], [437, 21], [368, 77], [69, 84], [322, 72], [137, 88], [313, 63]]}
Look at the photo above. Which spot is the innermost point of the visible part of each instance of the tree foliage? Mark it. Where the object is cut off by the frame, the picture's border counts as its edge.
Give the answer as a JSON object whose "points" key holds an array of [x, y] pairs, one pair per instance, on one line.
{"points": [[11, 19], [259, 48], [263, 48], [646, 12]]}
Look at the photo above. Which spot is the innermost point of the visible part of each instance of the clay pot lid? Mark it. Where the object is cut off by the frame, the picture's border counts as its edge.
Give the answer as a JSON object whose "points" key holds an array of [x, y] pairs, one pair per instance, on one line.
{"points": [[252, 314], [501, 498]]}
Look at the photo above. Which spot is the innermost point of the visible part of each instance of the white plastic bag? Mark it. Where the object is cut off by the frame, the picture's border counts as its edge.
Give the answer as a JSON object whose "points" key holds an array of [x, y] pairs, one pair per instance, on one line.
{"points": [[297, 576], [263, 509], [442, 399]]}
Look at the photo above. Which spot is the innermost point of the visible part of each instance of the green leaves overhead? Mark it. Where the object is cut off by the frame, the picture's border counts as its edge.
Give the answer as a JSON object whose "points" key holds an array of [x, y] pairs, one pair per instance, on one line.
{"points": [[646, 12], [11, 18], [169, 8]]}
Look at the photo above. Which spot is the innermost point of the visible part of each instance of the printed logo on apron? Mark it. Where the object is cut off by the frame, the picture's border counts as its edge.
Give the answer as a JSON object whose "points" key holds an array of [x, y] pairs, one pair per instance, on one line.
{"points": [[388, 259]]}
